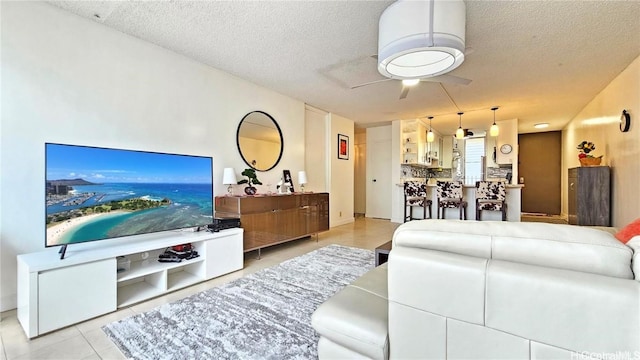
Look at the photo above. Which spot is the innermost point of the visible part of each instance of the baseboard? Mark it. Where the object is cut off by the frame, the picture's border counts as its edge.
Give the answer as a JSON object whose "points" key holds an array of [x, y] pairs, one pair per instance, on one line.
{"points": [[8, 302], [342, 222]]}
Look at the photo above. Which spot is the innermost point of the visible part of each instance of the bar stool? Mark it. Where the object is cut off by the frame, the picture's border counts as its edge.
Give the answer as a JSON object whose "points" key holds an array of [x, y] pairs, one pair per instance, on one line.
{"points": [[415, 195], [491, 196], [450, 197]]}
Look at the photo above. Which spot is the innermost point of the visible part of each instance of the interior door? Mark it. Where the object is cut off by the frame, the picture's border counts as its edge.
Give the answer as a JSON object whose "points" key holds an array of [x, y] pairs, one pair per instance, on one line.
{"points": [[539, 166], [379, 188], [360, 180]]}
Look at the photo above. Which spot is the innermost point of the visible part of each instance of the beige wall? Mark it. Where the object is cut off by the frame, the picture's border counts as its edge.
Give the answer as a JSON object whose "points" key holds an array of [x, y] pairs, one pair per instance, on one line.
{"points": [[341, 190], [360, 173], [598, 122], [316, 153]]}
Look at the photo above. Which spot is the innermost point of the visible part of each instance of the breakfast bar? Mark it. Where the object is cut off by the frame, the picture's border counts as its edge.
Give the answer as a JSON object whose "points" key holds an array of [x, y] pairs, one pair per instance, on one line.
{"points": [[513, 202]]}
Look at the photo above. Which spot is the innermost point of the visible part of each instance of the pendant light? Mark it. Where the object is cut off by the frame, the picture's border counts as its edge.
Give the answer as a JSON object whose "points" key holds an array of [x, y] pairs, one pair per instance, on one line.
{"points": [[430, 135], [494, 131], [460, 131]]}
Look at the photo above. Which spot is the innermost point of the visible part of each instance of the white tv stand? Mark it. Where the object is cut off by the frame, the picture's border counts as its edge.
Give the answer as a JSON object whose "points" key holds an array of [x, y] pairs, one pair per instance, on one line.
{"points": [[54, 293]]}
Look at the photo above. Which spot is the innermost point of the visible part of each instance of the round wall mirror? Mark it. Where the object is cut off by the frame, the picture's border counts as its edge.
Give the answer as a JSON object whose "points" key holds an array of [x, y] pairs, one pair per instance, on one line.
{"points": [[259, 141]]}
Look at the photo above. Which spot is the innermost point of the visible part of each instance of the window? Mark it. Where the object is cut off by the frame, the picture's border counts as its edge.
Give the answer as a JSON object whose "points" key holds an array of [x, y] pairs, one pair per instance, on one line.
{"points": [[473, 153]]}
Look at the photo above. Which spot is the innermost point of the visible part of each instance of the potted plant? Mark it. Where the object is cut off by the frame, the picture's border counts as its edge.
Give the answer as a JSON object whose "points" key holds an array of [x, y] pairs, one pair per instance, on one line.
{"points": [[252, 179], [584, 157]]}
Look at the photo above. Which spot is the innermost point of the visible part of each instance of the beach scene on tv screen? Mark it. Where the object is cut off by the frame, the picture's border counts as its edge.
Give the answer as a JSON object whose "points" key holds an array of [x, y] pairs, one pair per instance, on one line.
{"points": [[97, 193]]}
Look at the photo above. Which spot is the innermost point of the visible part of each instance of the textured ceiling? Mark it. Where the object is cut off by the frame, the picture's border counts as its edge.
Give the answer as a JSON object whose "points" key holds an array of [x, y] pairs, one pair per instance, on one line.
{"points": [[540, 61]]}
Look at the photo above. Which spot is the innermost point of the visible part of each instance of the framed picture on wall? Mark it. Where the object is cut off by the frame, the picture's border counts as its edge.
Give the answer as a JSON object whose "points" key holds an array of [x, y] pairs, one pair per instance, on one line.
{"points": [[286, 177], [343, 147]]}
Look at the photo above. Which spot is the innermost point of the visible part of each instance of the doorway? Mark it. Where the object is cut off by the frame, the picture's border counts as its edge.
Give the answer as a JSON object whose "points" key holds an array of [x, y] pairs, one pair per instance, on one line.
{"points": [[539, 169]]}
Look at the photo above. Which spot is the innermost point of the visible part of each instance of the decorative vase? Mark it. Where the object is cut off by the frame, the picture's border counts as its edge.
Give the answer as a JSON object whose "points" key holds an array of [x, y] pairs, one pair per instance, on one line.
{"points": [[250, 190], [590, 161]]}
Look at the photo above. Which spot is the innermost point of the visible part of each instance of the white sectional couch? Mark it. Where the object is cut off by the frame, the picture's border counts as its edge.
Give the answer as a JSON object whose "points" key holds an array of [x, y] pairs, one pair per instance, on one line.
{"points": [[490, 290]]}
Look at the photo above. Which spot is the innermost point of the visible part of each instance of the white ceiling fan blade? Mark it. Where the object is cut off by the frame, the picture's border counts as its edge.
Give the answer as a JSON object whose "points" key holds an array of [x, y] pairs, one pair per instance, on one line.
{"points": [[404, 92], [370, 83], [449, 79]]}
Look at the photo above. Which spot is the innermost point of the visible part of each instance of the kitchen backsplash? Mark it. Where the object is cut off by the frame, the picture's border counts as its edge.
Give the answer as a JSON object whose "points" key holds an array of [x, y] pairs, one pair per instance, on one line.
{"points": [[411, 171], [493, 173]]}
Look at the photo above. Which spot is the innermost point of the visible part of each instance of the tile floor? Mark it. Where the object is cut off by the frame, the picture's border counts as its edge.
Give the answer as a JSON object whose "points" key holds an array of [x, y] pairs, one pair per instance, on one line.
{"points": [[87, 341]]}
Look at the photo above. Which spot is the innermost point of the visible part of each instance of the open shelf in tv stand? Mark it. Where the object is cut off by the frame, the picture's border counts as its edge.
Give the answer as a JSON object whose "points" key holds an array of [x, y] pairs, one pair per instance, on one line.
{"points": [[54, 293]]}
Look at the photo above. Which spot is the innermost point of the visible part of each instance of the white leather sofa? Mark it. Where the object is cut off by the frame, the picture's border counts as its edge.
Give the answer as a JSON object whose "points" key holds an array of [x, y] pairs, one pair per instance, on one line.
{"points": [[490, 290]]}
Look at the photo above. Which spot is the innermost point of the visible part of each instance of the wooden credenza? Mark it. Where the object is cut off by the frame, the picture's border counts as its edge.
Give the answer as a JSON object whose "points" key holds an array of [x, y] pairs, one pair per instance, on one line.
{"points": [[274, 219], [590, 196]]}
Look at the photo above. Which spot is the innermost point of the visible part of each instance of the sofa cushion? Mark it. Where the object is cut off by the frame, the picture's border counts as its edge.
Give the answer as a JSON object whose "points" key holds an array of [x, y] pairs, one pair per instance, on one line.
{"points": [[552, 245], [357, 316], [567, 309]]}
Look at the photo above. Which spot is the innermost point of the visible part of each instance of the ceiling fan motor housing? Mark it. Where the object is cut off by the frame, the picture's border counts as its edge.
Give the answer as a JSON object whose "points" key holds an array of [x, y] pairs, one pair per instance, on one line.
{"points": [[419, 39]]}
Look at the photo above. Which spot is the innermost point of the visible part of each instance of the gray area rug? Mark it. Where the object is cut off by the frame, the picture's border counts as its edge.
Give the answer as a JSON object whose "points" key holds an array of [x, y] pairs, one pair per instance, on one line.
{"points": [[265, 315]]}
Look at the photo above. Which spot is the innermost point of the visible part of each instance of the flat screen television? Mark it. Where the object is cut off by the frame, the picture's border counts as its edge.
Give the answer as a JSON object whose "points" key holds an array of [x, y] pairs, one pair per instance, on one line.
{"points": [[97, 193]]}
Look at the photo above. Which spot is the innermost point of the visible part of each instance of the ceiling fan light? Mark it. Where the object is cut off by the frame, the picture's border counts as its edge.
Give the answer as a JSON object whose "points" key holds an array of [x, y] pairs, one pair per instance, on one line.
{"points": [[421, 38], [410, 82]]}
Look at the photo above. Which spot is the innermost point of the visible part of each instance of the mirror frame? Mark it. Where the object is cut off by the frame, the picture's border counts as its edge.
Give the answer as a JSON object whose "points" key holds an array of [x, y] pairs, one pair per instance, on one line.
{"points": [[279, 132]]}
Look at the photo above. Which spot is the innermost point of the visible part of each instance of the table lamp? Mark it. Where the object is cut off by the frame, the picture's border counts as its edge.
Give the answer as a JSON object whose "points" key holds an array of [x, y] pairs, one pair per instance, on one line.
{"points": [[302, 179], [229, 178]]}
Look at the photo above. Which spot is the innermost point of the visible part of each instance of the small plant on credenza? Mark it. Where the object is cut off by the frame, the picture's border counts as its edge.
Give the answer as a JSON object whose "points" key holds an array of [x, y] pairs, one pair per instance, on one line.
{"points": [[252, 179]]}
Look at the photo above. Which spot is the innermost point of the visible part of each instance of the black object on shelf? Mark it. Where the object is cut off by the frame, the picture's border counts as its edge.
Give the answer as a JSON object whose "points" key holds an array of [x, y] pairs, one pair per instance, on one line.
{"points": [[223, 223], [178, 253]]}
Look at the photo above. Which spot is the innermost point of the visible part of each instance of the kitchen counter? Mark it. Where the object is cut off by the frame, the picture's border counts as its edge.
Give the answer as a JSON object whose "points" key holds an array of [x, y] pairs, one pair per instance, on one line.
{"points": [[513, 201]]}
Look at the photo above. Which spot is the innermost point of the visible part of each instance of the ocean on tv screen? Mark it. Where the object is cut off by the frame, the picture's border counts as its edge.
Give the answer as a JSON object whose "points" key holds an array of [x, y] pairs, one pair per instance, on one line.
{"points": [[87, 211]]}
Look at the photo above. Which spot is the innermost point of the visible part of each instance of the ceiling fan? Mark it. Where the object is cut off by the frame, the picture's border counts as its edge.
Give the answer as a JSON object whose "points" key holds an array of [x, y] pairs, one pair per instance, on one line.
{"points": [[408, 83]]}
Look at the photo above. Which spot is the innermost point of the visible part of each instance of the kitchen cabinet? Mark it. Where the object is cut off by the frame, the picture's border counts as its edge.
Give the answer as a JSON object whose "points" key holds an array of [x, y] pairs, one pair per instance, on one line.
{"points": [[446, 151], [434, 150], [414, 138]]}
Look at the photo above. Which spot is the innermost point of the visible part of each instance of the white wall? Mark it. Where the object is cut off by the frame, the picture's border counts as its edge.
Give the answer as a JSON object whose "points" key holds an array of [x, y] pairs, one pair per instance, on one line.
{"points": [[317, 151], [598, 122], [70, 80], [341, 191]]}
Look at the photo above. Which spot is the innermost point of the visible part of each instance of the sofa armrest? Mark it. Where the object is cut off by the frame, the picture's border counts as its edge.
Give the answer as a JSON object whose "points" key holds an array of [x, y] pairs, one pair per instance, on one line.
{"points": [[634, 244], [551, 245]]}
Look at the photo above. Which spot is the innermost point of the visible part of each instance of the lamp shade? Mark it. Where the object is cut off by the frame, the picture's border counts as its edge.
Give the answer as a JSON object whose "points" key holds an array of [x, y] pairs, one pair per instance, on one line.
{"points": [[418, 39], [494, 130], [229, 177], [430, 136], [460, 132], [302, 177]]}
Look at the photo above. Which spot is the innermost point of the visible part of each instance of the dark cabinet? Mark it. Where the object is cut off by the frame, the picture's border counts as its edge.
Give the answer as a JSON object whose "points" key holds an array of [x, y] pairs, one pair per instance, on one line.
{"points": [[269, 220], [590, 196]]}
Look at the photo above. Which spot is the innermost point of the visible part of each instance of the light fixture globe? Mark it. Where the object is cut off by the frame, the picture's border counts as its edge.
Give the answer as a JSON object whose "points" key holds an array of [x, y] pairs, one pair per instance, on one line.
{"points": [[460, 131], [494, 130], [430, 135], [419, 39]]}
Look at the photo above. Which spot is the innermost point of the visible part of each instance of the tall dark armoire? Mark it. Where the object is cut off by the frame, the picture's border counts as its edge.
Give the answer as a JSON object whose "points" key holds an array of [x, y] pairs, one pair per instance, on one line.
{"points": [[590, 196]]}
